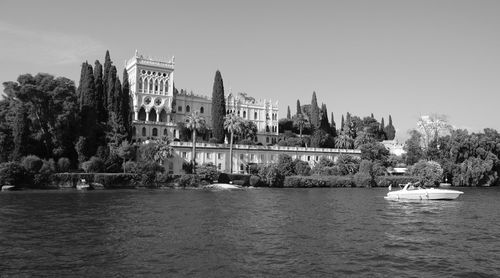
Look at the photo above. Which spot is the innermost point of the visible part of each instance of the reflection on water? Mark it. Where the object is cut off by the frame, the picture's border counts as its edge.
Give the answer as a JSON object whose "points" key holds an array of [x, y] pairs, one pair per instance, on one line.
{"points": [[247, 233]]}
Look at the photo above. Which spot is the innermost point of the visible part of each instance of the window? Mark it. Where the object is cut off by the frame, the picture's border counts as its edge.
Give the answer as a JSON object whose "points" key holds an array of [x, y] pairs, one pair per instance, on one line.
{"points": [[267, 139], [179, 108], [219, 156], [219, 166], [244, 114], [209, 155], [308, 158], [261, 158], [188, 109], [255, 115], [272, 157], [175, 133], [143, 131], [184, 154], [155, 132], [165, 132], [252, 157], [317, 157], [242, 167], [202, 110], [242, 156]]}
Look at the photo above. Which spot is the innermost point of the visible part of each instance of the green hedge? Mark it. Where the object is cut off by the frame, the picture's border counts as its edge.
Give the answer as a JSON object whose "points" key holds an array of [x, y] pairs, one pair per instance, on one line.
{"points": [[318, 181], [241, 179], [385, 181], [108, 180]]}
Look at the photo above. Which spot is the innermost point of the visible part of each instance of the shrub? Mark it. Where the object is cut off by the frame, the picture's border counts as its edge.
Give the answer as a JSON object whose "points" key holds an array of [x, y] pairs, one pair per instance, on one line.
{"points": [[253, 168], [48, 167], [363, 180], [286, 165], [224, 178], [428, 172], [12, 173], [131, 167], [271, 175], [208, 172], [190, 180], [254, 180], [94, 165], [163, 178], [63, 164], [318, 181], [302, 168], [148, 172], [385, 181], [347, 165], [239, 182], [32, 163]]}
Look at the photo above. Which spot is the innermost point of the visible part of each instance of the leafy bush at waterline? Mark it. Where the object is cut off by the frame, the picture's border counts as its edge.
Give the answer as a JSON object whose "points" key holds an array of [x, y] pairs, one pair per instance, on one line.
{"points": [[318, 181], [108, 180]]}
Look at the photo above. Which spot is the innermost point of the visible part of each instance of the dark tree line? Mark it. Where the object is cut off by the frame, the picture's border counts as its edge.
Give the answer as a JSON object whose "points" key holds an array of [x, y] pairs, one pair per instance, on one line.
{"points": [[49, 117], [312, 120]]}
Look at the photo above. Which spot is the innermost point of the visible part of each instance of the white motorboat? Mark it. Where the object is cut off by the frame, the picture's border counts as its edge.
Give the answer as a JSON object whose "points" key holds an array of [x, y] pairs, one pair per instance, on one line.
{"points": [[416, 192]]}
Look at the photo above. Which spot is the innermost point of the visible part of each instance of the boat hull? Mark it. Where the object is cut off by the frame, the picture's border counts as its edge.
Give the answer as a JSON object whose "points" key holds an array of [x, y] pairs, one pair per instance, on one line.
{"points": [[424, 194]]}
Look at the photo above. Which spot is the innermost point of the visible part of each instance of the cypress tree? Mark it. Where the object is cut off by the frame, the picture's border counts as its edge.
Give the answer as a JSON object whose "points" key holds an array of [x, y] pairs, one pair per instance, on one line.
{"points": [[314, 111], [105, 81], [342, 123], [117, 103], [372, 116], [390, 131], [218, 108], [125, 102], [288, 114], [83, 73], [99, 92], [381, 130], [382, 124], [333, 127], [299, 110], [110, 94], [88, 110], [324, 124]]}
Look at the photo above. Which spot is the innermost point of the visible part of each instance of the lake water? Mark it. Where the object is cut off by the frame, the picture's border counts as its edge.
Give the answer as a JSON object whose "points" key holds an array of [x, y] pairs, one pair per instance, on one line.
{"points": [[248, 233]]}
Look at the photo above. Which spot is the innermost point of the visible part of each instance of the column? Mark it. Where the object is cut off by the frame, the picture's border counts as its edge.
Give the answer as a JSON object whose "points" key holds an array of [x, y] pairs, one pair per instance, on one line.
{"points": [[147, 116], [136, 115]]}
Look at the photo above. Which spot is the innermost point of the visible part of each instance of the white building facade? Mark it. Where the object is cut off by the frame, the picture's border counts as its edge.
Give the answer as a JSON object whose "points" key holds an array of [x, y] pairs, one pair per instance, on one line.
{"points": [[157, 110]]}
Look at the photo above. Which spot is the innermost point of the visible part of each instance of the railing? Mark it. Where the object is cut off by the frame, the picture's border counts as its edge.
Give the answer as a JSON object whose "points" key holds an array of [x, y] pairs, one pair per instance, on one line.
{"points": [[271, 148]]}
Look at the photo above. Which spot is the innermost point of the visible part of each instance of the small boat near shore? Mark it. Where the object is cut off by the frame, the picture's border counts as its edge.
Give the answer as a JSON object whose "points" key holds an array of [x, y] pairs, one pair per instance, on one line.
{"points": [[83, 185], [222, 186], [415, 191]]}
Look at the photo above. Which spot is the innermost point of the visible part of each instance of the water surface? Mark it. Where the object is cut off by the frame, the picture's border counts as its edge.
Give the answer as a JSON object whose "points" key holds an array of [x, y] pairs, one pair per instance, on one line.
{"points": [[248, 233]]}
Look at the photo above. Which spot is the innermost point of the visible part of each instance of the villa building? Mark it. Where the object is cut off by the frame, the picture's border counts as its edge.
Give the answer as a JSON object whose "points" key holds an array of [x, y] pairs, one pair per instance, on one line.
{"points": [[245, 155], [157, 110]]}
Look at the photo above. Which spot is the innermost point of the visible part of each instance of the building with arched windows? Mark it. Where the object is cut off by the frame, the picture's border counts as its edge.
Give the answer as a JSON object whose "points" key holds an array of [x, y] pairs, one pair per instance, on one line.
{"points": [[156, 110]]}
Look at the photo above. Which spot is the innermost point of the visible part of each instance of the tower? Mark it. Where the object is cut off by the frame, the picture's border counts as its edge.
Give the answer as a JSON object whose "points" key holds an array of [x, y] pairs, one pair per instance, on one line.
{"points": [[151, 88]]}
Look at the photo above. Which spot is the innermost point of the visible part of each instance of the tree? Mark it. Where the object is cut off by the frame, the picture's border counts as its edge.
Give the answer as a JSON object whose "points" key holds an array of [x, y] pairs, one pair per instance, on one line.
{"points": [[288, 115], [344, 141], [299, 109], [88, 104], [248, 130], [429, 172], [286, 165], [342, 123], [20, 133], [195, 122], [300, 122], [333, 127], [105, 83], [232, 124], [413, 149], [322, 139], [125, 152], [374, 151], [363, 138], [431, 127], [390, 131], [218, 108], [314, 118], [111, 91], [125, 104], [100, 93], [324, 124]]}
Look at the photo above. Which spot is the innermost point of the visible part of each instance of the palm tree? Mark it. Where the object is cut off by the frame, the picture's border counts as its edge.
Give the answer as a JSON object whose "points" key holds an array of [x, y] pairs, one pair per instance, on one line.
{"points": [[300, 121], [343, 141], [232, 123], [195, 123]]}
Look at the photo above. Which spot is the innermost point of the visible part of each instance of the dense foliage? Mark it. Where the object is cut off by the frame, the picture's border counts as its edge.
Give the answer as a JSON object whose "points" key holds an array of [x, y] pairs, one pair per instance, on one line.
{"points": [[218, 108]]}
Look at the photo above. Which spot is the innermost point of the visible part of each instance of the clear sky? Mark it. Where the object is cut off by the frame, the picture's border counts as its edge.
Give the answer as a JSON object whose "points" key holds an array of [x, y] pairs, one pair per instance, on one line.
{"points": [[404, 58]]}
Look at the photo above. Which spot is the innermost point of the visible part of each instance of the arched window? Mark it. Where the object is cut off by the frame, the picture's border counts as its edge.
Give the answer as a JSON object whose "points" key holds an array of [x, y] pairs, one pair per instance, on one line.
{"points": [[143, 131], [202, 110], [165, 132], [155, 132], [156, 86], [175, 133], [188, 109], [255, 115], [244, 114], [267, 128], [152, 115], [142, 114], [141, 88], [163, 116], [150, 85]]}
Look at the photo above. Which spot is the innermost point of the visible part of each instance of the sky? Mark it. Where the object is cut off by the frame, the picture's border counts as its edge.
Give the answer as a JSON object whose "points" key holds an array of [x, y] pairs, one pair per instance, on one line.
{"points": [[399, 58]]}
